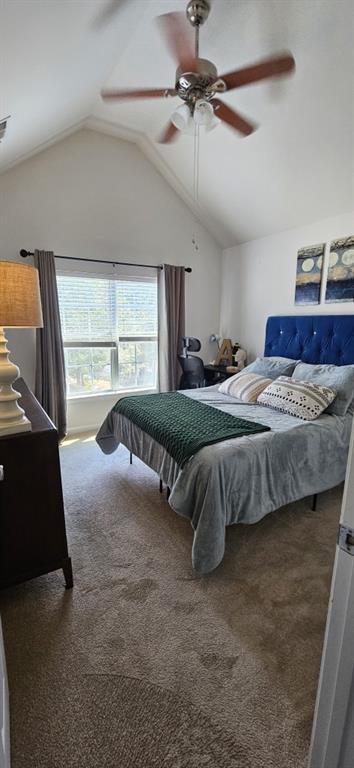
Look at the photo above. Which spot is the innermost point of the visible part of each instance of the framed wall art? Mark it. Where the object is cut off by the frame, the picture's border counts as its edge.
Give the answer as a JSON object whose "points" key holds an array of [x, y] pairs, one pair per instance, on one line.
{"points": [[309, 274], [340, 275]]}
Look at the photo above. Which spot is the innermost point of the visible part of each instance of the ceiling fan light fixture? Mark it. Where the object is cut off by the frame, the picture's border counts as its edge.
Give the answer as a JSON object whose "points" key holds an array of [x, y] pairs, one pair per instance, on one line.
{"points": [[181, 117], [203, 113], [213, 124]]}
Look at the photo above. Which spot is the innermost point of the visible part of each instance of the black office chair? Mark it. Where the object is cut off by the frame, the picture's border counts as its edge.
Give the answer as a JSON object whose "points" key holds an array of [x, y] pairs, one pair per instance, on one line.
{"points": [[193, 367], [190, 344], [193, 372]]}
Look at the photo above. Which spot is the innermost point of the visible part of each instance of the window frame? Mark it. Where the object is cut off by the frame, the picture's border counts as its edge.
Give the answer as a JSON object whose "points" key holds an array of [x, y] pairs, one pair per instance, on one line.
{"points": [[113, 345]]}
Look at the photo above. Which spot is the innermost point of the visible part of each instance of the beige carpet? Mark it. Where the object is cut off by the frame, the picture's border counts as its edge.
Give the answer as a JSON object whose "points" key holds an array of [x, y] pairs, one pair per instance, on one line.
{"points": [[144, 663]]}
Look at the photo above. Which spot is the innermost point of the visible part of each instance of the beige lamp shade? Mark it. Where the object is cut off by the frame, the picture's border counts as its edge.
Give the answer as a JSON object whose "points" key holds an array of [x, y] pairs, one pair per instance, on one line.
{"points": [[20, 301]]}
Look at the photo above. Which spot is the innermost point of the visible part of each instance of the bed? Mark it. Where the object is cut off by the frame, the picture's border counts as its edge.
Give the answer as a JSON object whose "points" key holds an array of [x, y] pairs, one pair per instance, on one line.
{"points": [[241, 480]]}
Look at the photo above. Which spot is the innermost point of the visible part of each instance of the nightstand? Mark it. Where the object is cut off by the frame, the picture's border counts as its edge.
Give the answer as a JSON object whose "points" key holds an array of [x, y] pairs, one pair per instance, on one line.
{"points": [[32, 523], [215, 374]]}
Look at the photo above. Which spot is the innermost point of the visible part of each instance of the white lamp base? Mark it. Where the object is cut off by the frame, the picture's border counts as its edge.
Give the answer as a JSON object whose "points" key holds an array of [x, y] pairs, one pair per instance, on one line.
{"points": [[12, 417]]}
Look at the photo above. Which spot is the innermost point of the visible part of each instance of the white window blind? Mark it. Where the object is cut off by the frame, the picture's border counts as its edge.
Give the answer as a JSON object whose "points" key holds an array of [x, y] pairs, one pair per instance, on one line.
{"points": [[109, 332]]}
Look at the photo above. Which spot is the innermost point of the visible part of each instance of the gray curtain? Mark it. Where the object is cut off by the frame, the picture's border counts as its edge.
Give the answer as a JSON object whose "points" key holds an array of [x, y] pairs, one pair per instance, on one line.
{"points": [[50, 387], [171, 325]]}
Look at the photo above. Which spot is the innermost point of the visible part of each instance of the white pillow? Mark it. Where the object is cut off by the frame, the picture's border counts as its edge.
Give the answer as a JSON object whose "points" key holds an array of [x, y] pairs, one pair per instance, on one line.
{"points": [[245, 386], [298, 398]]}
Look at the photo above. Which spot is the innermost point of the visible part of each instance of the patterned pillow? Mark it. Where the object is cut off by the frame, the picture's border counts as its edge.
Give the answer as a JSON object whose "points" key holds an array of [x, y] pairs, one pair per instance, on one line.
{"points": [[298, 398], [245, 386]]}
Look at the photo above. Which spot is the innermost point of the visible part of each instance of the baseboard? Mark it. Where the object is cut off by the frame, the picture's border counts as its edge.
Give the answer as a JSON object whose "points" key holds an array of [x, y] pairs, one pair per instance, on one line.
{"points": [[85, 428]]}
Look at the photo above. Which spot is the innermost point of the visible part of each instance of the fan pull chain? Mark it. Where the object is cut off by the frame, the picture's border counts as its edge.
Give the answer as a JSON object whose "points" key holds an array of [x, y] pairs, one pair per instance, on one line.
{"points": [[196, 176], [196, 164]]}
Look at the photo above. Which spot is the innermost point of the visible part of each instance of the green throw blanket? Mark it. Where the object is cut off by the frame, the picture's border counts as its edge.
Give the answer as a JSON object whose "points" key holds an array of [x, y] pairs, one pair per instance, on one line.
{"points": [[182, 425]]}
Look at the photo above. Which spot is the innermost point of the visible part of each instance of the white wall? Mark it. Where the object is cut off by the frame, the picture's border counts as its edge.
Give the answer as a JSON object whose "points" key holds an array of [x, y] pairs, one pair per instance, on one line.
{"points": [[95, 196], [259, 280]]}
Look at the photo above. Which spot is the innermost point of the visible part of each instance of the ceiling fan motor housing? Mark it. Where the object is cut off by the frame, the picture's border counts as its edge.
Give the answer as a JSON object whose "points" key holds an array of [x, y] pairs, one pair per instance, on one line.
{"points": [[191, 86]]}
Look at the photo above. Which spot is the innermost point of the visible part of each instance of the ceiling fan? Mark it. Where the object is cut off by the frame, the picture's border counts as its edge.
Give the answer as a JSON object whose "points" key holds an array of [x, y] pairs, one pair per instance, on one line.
{"points": [[106, 13], [197, 81]]}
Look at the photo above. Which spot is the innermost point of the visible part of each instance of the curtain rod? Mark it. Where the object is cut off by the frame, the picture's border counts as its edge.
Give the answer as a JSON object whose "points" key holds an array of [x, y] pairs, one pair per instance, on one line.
{"points": [[25, 253]]}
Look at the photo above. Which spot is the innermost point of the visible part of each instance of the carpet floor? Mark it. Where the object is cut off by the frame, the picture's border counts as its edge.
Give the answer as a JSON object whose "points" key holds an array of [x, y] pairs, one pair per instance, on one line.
{"points": [[145, 663]]}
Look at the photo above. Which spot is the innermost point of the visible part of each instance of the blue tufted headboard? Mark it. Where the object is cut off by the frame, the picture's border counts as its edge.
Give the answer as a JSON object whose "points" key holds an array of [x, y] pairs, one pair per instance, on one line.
{"points": [[311, 338]]}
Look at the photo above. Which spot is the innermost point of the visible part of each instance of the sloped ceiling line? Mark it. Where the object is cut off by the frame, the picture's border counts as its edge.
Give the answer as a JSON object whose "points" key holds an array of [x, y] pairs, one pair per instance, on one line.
{"points": [[148, 149]]}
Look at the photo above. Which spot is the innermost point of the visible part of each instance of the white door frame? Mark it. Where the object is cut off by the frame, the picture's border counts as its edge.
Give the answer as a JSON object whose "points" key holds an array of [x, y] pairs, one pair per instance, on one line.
{"points": [[4, 710], [330, 737]]}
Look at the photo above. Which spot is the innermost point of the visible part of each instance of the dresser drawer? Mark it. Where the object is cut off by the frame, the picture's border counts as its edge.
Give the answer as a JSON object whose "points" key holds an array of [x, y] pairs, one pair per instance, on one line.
{"points": [[32, 523]]}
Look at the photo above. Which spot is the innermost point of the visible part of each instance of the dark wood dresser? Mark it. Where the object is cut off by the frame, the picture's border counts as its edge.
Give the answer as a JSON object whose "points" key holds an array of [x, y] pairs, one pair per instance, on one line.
{"points": [[32, 523]]}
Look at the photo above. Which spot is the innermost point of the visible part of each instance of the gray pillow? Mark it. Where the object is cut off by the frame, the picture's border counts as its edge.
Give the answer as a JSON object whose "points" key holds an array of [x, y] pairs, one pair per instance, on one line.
{"points": [[272, 367], [338, 377]]}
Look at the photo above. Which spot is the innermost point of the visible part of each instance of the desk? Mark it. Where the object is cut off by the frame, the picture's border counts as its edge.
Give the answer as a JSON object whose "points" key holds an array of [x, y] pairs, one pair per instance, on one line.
{"points": [[215, 374]]}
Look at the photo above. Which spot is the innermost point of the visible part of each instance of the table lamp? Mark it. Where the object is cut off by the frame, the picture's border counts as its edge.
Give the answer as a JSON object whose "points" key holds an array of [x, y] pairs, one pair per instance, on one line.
{"points": [[20, 307]]}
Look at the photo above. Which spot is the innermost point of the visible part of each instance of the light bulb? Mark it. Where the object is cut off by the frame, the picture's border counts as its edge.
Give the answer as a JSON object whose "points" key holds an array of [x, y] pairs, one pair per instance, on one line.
{"points": [[203, 112], [213, 124], [181, 117]]}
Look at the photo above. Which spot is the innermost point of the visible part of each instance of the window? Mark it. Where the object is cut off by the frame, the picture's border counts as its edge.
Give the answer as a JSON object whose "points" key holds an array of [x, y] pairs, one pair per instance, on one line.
{"points": [[109, 333]]}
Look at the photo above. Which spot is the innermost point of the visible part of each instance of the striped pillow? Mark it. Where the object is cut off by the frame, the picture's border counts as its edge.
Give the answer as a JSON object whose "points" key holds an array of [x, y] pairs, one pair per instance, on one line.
{"points": [[298, 398], [245, 386]]}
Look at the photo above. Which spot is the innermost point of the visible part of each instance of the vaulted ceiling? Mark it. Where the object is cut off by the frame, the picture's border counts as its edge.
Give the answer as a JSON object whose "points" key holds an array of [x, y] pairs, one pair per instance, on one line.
{"points": [[295, 169]]}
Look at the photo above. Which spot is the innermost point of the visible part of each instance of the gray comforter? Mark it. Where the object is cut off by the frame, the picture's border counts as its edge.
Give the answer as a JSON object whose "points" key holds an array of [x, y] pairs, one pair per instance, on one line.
{"points": [[240, 480]]}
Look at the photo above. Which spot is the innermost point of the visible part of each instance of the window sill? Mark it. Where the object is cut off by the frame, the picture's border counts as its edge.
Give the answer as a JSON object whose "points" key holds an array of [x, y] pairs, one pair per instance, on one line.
{"points": [[112, 393]]}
